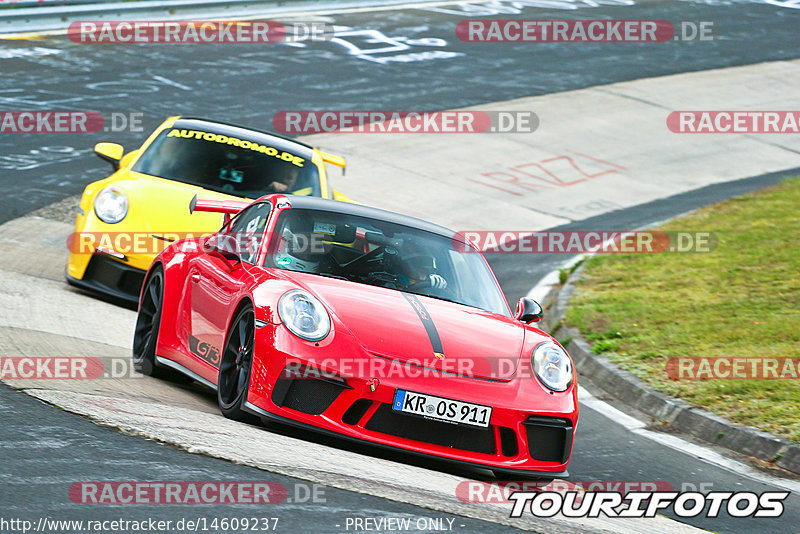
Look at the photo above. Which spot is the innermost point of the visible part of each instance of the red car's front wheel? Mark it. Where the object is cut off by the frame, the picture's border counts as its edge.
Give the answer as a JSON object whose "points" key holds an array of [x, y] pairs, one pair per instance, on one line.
{"points": [[234, 368]]}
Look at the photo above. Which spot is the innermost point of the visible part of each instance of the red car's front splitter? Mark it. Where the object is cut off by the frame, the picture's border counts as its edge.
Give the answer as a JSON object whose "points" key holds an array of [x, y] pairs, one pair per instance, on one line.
{"points": [[509, 471], [536, 442]]}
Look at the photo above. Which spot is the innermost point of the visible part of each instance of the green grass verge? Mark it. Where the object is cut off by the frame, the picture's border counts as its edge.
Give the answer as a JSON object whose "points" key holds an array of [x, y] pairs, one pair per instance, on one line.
{"points": [[741, 300]]}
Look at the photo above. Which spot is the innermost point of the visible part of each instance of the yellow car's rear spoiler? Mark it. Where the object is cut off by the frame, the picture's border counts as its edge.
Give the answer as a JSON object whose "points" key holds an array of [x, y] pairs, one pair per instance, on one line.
{"points": [[339, 161]]}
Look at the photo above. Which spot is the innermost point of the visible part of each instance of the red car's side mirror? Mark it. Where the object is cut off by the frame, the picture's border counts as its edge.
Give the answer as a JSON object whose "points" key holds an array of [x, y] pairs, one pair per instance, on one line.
{"points": [[529, 311]]}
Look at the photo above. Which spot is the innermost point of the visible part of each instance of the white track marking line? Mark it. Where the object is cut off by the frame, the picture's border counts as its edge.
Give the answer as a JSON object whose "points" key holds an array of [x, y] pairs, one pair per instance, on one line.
{"points": [[276, 15], [639, 428], [541, 289], [172, 83], [396, 7]]}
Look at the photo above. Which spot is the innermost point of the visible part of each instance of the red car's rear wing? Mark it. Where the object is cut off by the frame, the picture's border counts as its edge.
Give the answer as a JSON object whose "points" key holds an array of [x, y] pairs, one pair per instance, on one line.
{"points": [[229, 207]]}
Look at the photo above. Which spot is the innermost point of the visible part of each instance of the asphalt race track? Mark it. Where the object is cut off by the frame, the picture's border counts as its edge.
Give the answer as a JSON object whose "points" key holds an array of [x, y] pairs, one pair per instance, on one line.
{"points": [[39, 440], [248, 85], [45, 449]]}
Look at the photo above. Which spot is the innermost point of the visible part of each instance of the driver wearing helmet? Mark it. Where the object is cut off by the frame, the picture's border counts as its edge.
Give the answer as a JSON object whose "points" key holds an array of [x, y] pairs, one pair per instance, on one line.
{"points": [[286, 183], [419, 271], [299, 251], [289, 182]]}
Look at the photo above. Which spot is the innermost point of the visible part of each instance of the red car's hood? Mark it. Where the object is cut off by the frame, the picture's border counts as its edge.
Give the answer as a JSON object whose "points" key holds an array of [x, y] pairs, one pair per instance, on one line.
{"points": [[405, 327]]}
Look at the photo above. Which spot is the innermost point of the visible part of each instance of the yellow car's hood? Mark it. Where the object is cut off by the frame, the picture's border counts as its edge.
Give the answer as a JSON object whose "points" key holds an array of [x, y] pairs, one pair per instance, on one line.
{"points": [[158, 205]]}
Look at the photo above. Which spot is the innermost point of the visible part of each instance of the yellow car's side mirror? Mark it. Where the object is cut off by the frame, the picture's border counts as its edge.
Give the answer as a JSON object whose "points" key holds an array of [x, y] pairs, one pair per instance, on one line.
{"points": [[110, 152]]}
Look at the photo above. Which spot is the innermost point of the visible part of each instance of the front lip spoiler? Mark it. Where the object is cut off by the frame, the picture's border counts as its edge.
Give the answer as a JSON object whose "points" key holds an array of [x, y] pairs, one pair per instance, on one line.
{"points": [[94, 287], [255, 410]]}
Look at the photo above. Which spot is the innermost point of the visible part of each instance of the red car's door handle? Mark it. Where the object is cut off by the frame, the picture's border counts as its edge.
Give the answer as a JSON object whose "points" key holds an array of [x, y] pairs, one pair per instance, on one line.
{"points": [[195, 277]]}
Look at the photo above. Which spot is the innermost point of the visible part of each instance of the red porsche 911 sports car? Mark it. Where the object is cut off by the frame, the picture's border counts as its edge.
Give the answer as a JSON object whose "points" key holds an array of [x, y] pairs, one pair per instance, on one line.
{"points": [[361, 323]]}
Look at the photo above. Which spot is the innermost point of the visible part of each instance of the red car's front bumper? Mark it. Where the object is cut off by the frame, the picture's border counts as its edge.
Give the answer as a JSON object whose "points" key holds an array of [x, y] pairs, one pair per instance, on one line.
{"points": [[530, 432]]}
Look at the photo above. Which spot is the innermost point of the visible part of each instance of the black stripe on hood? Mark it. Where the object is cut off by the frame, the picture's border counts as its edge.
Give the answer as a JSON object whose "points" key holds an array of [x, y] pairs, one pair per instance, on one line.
{"points": [[427, 322]]}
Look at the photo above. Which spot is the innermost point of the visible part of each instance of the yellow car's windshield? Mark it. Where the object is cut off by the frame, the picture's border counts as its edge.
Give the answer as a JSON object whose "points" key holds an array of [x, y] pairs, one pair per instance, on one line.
{"points": [[229, 165]]}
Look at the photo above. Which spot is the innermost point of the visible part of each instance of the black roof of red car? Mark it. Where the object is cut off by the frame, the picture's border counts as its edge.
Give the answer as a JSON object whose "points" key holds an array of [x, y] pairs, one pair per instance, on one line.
{"points": [[359, 210]]}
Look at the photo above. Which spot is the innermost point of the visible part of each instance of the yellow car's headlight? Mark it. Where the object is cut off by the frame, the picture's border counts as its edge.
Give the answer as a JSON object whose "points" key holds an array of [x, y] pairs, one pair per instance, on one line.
{"points": [[111, 205]]}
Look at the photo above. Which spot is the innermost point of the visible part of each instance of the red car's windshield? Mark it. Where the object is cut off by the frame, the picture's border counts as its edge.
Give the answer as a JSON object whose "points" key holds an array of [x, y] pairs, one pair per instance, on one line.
{"points": [[379, 253]]}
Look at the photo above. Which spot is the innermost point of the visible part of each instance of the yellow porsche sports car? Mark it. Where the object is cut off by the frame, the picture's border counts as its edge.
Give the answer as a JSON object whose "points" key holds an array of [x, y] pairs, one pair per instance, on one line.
{"points": [[125, 220]]}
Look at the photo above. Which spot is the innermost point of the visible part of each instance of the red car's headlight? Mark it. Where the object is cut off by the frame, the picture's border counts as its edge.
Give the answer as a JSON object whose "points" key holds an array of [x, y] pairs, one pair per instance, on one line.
{"points": [[304, 315], [552, 366]]}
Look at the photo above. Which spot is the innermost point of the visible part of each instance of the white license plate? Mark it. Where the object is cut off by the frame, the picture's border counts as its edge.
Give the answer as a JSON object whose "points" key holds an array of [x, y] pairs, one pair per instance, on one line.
{"points": [[441, 409]]}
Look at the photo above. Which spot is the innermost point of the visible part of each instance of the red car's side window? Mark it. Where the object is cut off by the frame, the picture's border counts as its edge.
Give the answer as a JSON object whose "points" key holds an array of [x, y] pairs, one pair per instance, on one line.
{"points": [[246, 231]]}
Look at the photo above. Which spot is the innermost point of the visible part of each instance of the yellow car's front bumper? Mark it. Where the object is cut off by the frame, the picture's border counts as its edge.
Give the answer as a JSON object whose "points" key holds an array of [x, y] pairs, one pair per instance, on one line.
{"points": [[106, 259], [113, 258], [113, 278]]}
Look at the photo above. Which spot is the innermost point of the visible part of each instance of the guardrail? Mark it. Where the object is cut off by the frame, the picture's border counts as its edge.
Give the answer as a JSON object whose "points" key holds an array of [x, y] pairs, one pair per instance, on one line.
{"points": [[53, 15], [47, 3]]}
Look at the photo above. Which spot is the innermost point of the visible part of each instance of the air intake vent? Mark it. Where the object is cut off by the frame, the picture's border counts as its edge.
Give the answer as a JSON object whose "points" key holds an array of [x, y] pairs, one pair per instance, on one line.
{"points": [[356, 411], [508, 442], [549, 438], [308, 395], [465, 438]]}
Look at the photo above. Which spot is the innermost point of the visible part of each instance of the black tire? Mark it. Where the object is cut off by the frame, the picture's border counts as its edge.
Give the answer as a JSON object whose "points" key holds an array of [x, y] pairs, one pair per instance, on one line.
{"points": [[145, 335], [148, 323], [235, 365]]}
